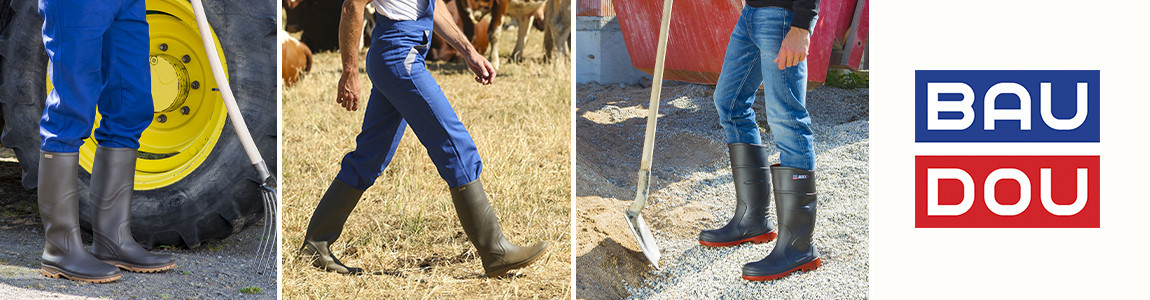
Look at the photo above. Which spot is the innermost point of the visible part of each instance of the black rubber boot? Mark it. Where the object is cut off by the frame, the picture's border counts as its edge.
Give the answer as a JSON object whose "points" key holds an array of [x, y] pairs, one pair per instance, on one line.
{"points": [[327, 224], [752, 197], [113, 178], [796, 200], [499, 255], [64, 254]]}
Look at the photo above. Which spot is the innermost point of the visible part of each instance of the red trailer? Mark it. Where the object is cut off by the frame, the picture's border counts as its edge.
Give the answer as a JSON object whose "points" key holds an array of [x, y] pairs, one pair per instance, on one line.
{"points": [[700, 31]]}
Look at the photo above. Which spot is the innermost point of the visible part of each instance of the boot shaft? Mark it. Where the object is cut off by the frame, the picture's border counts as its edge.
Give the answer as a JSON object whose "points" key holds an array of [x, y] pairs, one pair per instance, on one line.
{"points": [[113, 180], [751, 177], [795, 203], [59, 202], [748, 155], [477, 217], [332, 212]]}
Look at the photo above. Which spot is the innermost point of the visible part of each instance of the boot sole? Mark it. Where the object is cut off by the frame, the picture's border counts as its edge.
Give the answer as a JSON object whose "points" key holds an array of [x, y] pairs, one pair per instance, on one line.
{"points": [[758, 239], [807, 267], [139, 269], [522, 264], [53, 272]]}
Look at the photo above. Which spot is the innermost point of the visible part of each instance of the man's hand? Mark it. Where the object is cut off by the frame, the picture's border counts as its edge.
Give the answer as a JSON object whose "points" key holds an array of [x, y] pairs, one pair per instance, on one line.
{"points": [[794, 49], [484, 71], [348, 93]]}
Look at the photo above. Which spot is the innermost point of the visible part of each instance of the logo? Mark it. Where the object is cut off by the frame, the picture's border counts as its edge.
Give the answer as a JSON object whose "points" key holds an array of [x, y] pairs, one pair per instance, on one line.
{"points": [[798, 177], [1007, 149]]}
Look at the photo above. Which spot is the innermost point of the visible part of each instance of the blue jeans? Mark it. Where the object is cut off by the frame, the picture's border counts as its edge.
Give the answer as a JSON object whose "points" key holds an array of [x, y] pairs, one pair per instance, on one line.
{"points": [[748, 63], [98, 53], [404, 94]]}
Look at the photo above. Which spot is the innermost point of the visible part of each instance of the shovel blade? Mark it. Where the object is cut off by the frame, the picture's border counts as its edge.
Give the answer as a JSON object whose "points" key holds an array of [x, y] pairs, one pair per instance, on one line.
{"points": [[643, 237]]}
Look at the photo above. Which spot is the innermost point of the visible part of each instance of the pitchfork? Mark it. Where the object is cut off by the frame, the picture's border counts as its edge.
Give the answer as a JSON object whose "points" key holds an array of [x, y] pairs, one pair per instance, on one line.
{"points": [[265, 254]]}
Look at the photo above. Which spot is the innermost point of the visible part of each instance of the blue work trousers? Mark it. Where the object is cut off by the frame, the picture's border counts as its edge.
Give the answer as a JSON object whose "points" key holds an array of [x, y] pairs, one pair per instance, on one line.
{"points": [[98, 56], [404, 93], [749, 62]]}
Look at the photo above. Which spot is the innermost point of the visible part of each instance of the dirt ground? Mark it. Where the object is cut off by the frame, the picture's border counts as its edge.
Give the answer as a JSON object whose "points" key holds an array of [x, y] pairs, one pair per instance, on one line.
{"points": [[691, 190], [404, 229], [215, 270]]}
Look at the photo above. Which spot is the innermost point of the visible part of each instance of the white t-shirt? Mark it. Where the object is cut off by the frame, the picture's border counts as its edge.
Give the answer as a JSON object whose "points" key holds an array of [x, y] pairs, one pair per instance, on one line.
{"points": [[400, 10]]}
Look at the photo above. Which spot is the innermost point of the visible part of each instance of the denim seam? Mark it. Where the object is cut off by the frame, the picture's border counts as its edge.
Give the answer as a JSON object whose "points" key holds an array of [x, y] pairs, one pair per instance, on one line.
{"points": [[740, 88]]}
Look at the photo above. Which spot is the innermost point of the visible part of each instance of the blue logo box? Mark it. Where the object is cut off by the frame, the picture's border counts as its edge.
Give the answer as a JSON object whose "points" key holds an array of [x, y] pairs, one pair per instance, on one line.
{"points": [[949, 88]]}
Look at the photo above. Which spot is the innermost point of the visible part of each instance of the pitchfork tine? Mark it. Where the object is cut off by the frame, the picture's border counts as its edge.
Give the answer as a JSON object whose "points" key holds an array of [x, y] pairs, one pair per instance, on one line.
{"points": [[271, 239], [263, 231], [263, 242], [272, 227], [267, 244]]}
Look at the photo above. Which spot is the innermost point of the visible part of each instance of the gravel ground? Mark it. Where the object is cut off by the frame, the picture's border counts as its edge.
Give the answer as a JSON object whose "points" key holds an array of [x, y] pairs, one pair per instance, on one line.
{"points": [[692, 191], [215, 270]]}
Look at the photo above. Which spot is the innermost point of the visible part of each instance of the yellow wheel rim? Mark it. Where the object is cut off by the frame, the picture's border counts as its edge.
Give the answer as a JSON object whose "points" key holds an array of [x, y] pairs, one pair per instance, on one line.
{"points": [[189, 112]]}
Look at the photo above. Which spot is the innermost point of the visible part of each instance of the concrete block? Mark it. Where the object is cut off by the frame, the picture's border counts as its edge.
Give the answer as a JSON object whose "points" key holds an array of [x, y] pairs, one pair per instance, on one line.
{"points": [[601, 54]]}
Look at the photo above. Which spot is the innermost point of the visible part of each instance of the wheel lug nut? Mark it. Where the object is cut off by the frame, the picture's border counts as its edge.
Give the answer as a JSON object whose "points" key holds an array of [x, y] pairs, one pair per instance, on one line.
{"points": [[196, 85], [162, 118], [164, 47], [186, 59], [185, 110]]}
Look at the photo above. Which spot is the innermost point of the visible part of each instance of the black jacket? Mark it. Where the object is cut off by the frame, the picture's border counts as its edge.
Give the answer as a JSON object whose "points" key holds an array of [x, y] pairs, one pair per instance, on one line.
{"points": [[805, 10]]}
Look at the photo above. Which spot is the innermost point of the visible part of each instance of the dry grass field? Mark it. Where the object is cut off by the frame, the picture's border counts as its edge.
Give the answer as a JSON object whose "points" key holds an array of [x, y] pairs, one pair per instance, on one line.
{"points": [[405, 229]]}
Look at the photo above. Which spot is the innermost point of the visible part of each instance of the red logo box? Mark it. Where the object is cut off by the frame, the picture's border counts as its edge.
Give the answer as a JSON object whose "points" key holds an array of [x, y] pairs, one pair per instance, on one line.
{"points": [[1062, 208]]}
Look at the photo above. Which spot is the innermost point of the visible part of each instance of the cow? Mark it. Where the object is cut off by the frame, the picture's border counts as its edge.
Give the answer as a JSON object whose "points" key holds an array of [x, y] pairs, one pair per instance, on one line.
{"points": [[317, 19], [319, 22], [441, 51], [557, 31], [296, 58], [368, 25], [523, 11]]}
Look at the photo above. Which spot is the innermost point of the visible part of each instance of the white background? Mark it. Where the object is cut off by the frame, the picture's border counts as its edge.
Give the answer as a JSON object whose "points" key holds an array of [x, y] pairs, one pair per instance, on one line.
{"points": [[1112, 261]]}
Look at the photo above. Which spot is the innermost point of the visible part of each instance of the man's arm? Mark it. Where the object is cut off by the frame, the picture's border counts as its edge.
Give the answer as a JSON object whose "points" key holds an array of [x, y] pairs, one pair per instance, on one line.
{"points": [[445, 27], [350, 33]]}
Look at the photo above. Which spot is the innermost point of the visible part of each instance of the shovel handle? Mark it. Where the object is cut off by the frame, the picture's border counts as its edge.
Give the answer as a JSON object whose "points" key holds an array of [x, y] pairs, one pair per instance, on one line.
{"points": [[656, 88], [643, 182], [640, 194]]}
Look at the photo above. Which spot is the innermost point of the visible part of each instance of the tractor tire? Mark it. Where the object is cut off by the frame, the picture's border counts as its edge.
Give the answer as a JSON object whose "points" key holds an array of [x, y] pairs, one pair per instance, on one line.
{"points": [[22, 71], [217, 199]]}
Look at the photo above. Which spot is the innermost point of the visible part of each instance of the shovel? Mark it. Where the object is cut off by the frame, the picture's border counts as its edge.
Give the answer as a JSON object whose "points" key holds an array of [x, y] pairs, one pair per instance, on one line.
{"points": [[265, 253], [633, 214]]}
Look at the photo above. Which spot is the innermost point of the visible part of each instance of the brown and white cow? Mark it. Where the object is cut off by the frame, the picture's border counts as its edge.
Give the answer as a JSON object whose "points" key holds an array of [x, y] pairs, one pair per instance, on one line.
{"points": [[297, 58], [523, 11], [557, 31]]}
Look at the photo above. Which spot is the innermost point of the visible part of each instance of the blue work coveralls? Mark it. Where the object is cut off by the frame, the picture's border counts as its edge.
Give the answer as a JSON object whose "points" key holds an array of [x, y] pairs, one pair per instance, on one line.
{"points": [[98, 56], [404, 93]]}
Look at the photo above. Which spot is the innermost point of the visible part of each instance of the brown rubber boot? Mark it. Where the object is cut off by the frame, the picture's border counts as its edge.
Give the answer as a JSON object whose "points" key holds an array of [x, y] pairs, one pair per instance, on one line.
{"points": [[327, 224], [113, 179], [482, 226], [64, 254]]}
